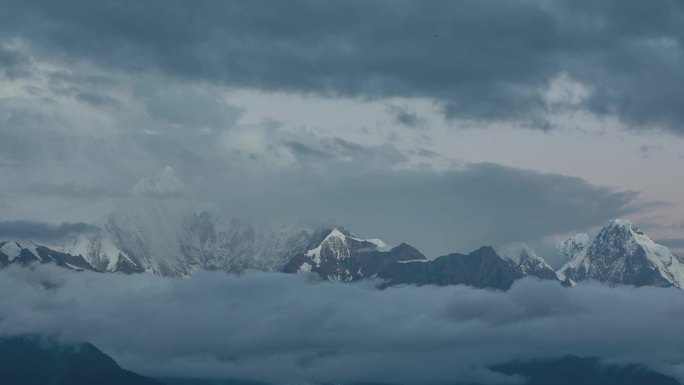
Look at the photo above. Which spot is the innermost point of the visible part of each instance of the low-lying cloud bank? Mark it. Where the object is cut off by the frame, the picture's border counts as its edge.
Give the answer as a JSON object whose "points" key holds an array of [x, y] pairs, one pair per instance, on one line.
{"points": [[285, 328], [40, 231]]}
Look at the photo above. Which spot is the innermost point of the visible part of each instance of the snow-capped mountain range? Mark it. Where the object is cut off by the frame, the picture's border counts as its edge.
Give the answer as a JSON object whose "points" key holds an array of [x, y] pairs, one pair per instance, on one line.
{"points": [[154, 230], [619, 254]]}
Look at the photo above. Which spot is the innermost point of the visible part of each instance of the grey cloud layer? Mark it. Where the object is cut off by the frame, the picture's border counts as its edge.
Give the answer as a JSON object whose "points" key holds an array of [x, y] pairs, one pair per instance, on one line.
{"points": [[481, 60], [438, 212], [53, 169], [84, 135], [285, 328], [39, 231]]}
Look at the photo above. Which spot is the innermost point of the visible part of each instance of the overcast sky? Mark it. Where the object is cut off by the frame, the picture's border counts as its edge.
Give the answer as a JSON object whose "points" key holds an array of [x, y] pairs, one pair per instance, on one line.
{"points": [[445, 124]]}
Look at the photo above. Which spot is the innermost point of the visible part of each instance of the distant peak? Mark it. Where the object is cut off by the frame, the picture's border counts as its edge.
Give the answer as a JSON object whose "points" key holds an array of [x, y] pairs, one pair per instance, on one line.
{"points": [[623, 225], [622, 254], [621, 222], [573, 246], [404, 246], [516, 252], [166, 182], [339, 232], [485, 250], [581, 238]]}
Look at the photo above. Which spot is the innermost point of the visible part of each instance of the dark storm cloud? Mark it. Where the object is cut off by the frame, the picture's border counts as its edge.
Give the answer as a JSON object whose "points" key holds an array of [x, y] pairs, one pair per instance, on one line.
{"points": [[648, 150], [96, 100], [188, 109], [286, 329], [408, 118], [482, 60], [304, 150], [441, 212], [40, 231], [336, 150], [12, 63], [71, 191]]}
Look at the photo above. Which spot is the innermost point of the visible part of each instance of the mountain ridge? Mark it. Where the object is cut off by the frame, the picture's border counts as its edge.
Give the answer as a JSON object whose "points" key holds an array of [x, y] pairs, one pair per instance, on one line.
{"points": [[38, 360], [622, 254]]}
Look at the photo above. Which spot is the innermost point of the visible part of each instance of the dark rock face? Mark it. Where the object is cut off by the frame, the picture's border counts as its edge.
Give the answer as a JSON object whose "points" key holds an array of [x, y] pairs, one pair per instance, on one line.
{"points": [[341, 257], [621, 254], [31, 360], [527, 262], [127, 266], [482, 268], [33, 253], [64, 260], [571, 370], [13, 253], [334, 255], [617, 258]]}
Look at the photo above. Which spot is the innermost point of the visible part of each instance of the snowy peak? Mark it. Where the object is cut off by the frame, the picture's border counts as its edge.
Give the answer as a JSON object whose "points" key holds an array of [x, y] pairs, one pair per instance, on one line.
{"points": [[518, 253], [164, 183], [622, 254], [340, 244], [618, 237], [98, 249], [27, 253], [623, 224], [526, 261], [573, 246], [11, 250], [167, 239], [341, 256]]}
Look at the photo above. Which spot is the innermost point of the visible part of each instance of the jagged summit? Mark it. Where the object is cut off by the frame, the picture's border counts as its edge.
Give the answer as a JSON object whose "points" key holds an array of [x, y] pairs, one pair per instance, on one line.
{"points": [[624, 223], [524, 259], [482, 268], [165, 183], [341, 256], [622, 254], [27, 252], [158, 236], [517, 252], [569, 248]]}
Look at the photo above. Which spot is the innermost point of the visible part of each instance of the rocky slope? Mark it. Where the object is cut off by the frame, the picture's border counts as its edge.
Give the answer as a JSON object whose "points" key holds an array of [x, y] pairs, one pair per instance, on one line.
{"points": [[340, 256], [155, 229], [622, 254], [526, 261], [33, 360], [482, 268], [27, 252]]}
